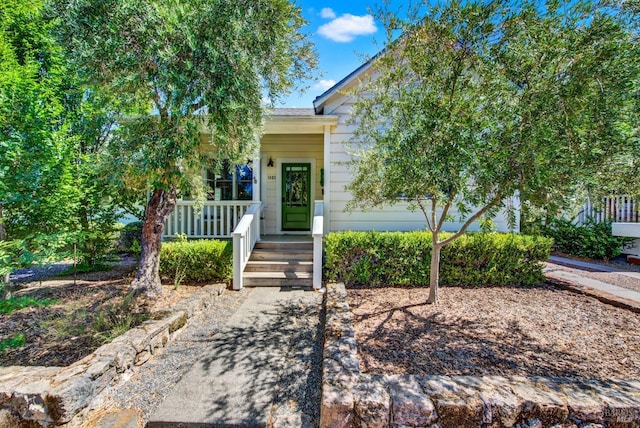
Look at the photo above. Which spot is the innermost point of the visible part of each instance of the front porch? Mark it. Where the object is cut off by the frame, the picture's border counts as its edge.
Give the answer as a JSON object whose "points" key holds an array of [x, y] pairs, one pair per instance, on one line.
{"points": [[282, 260]]}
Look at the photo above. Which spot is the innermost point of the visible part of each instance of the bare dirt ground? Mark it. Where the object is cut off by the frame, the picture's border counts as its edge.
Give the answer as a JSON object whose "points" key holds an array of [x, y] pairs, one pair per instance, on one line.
{"points": [[74, 325], [533, 331]]}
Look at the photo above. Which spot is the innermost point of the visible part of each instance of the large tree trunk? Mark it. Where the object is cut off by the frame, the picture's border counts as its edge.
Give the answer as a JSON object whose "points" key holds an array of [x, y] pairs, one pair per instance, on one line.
{"points": [[159, 207], [434, 272]]}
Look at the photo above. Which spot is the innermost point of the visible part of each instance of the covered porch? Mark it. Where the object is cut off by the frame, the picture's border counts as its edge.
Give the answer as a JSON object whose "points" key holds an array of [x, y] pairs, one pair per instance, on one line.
{"points": [[278, 192]]}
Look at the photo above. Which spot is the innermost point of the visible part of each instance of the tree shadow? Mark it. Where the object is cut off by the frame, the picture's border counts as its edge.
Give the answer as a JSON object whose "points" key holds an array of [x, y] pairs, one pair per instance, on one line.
{"points": [[266, 366], [420, 339]]}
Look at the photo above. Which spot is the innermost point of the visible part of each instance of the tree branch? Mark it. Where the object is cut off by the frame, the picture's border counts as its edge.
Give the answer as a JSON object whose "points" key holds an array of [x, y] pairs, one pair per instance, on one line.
{"points": [[445, 210], [496, 199], [424, 212]]}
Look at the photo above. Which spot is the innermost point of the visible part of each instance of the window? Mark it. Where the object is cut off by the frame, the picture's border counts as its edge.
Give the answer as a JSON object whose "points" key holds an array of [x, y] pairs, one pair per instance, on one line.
{"points": [[233, 183]]}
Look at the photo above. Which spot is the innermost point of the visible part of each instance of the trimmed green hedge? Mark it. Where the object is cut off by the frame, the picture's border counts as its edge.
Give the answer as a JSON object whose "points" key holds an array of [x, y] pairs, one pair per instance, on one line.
{"points": [[197, 261], [379, 259]]}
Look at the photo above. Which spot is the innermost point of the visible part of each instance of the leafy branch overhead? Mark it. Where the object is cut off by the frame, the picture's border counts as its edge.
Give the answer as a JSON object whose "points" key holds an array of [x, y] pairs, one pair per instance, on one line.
{"points": [[180, 71]]}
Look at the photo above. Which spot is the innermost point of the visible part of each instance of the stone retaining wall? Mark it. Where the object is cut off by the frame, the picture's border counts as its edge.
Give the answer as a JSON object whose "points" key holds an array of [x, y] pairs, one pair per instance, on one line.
{"points": [[51, 396], [353, 399]]}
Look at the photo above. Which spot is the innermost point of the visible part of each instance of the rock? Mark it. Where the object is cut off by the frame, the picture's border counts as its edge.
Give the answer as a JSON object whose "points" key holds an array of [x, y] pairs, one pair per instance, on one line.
{"points": [[125, 418], [539, 401], [456, 401], [137, 338], [372, 403], [68, 398], [583, 403], [501, 404], [176, 320], [159, 341], [8, 419], [142, 358], [620, 406], [336, 409], [410, 406]]}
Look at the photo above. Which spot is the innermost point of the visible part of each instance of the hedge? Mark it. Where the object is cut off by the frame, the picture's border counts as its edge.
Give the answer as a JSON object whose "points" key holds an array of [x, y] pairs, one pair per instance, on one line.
{"points": [[197, 261], [379, 259]]}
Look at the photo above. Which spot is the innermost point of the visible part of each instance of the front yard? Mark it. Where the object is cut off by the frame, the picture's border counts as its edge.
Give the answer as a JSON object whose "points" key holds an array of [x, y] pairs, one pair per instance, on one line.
{"points": [[506, 331], [66, 321]]}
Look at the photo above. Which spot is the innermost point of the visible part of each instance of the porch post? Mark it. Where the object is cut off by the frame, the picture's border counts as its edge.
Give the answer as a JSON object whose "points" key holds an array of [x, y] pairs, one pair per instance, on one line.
{"points": [[327, 179]]}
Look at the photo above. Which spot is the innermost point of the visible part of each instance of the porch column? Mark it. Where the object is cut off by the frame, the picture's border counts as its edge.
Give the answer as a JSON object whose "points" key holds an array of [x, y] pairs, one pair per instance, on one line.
{"points": [[327, 178]]}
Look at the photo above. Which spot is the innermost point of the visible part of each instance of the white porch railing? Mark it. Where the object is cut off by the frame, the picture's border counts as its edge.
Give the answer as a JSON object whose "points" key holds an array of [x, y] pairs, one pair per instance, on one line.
{"points": [[213, 219], [617, 209], [317, 232], [245, 236]]}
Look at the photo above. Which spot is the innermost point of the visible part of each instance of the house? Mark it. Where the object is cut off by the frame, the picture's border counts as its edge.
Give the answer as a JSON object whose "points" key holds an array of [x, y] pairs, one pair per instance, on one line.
{"points": [[295, 185]]}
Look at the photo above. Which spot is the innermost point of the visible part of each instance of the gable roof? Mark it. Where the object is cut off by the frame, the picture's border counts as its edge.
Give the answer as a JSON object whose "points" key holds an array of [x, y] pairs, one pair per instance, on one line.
{"points": [[319, 102]]}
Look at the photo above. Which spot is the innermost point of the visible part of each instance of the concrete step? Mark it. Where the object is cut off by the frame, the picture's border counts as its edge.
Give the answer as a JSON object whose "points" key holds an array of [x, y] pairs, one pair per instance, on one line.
{"points": [[282, 255], [279, 266], [284, 245], [278, 279]]}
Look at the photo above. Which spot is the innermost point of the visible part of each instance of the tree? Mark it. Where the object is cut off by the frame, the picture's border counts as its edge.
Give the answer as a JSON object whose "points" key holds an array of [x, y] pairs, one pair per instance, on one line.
{"points": [[176, 67], [36, 182], [477, 102]]}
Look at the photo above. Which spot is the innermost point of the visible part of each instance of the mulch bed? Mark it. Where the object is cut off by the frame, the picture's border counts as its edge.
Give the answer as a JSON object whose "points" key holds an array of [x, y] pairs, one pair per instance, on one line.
{"points": [[66, 331], [505, 331]]}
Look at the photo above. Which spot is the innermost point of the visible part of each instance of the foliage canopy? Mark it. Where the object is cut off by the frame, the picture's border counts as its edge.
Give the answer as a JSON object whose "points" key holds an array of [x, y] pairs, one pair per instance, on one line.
{"points": [[477, 102]]}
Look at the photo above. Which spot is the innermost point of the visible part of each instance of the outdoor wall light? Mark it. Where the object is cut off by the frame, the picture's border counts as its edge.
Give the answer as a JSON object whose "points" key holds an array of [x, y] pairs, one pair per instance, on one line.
{"points": [[270, 163]]}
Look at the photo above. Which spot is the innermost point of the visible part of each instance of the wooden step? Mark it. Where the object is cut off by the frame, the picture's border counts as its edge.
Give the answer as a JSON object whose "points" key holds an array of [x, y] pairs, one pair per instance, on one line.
{"points": [[277, 279], [279, 266], [281, 255], [284, 245]]}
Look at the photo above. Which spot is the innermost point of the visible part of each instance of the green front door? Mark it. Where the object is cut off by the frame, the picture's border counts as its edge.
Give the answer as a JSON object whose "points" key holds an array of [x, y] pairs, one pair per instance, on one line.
{"points": [[296, 196]]}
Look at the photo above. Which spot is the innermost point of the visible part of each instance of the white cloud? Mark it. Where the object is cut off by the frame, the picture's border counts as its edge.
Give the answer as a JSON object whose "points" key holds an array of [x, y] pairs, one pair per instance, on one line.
{"points": [[328, 13], [347, 27], [325, 84]]}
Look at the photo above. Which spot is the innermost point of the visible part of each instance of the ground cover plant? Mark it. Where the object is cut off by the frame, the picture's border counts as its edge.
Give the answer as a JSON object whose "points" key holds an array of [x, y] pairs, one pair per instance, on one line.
{"points": [[505, 331], [59, 320]]}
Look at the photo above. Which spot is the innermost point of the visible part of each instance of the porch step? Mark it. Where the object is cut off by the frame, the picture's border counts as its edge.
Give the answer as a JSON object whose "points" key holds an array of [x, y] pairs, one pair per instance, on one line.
{"points": [[278, 279], [280, 263], [284, 245], [279, 266], [282, 255]]}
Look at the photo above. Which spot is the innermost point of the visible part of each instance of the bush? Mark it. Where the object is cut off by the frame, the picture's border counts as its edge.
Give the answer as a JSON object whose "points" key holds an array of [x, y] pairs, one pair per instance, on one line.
{"points": [[130, 236], [403, 259], [592, 240], [197, 261]]}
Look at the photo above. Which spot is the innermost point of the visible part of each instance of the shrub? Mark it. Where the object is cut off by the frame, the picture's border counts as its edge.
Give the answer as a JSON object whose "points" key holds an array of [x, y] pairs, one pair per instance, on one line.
{"points": [[396, 258], [592, 240], [197, 261], [130, 236]]}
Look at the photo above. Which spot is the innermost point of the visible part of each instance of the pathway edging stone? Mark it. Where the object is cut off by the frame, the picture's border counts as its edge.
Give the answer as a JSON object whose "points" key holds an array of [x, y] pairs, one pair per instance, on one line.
{"points": [[52, 396]]}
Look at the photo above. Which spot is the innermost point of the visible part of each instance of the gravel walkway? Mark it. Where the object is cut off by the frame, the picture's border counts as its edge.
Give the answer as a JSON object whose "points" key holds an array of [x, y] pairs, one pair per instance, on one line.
{"points": [[148, 386], [614, 278]]}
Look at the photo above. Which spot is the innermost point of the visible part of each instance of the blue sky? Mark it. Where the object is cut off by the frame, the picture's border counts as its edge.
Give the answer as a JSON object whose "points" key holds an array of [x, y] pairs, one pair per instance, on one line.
{"points": [[342, 32]]}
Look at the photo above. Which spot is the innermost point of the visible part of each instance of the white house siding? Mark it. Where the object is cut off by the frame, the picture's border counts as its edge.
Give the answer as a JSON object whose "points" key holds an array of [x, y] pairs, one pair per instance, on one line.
{"points": [[287, 147], [390, 218]]}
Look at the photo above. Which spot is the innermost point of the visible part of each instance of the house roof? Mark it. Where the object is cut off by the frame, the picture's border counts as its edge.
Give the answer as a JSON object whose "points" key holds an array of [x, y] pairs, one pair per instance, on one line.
{"points": [[293, 112], [319, 102]]}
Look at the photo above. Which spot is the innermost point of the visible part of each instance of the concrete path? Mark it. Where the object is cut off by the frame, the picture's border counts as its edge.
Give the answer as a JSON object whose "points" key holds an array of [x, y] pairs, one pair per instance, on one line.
{"points": [[599, 289], [257, 369]]}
